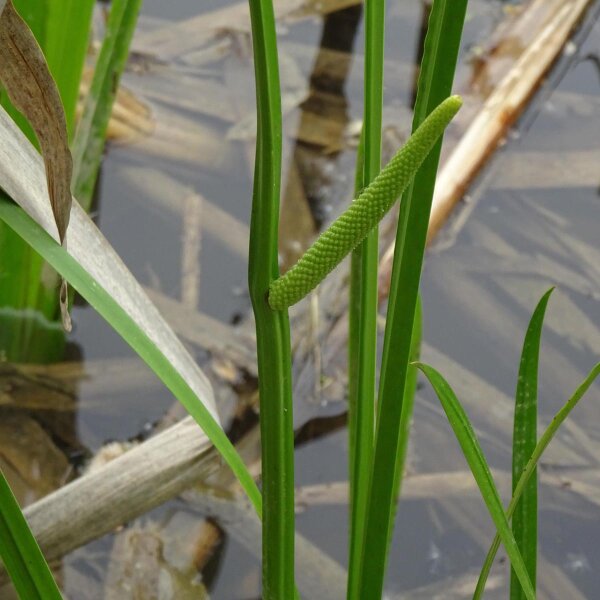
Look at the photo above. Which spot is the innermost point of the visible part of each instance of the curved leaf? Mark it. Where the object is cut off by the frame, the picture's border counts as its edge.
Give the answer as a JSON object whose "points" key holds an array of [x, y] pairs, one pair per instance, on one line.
{"points": [[98, 274], [546, 438], [476, 460], [27, 79]]}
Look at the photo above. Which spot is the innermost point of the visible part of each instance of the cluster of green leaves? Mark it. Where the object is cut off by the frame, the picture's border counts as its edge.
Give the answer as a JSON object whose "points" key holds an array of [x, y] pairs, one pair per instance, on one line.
{"points": [[520, 537], [272, 327], [359, 220], [62, 30]]}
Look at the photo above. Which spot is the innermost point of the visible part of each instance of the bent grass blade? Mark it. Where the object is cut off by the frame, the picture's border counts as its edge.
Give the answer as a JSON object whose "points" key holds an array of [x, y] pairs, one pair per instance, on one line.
{"points": [[98, 274], [541, 446], [477, 463]]}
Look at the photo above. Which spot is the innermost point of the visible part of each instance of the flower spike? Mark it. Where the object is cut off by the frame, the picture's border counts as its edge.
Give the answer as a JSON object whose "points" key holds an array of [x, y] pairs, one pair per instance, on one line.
{"points": [[352, 226]]}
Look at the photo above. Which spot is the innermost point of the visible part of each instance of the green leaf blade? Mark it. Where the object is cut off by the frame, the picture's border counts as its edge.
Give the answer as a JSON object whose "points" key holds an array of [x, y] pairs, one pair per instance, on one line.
{"points": [[110, 309], [440, 56], [66, 43], [20, 553], [272, 327], [476, 460], [545, 439], [363, 325], [524, 521], [89, 141]]}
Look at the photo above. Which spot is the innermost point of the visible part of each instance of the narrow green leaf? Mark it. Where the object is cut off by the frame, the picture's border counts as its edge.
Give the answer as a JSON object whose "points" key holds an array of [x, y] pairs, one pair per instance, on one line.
{"points": [[435, 83], [27, 310], [354, 312], [364, 264], [362, 332], [546, 438], [408, 403], [88, 145], [476, 460], [272, 327], [66, 43], [524, 522], [20, 553]]}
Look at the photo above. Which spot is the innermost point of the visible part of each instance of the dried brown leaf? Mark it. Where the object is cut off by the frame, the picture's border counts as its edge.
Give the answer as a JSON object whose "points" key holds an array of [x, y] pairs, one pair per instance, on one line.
{"points": [[31, 88]]}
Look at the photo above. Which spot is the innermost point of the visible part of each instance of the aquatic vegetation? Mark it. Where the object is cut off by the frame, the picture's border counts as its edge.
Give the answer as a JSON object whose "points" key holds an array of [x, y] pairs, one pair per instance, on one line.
{"points": [[378, 430]]}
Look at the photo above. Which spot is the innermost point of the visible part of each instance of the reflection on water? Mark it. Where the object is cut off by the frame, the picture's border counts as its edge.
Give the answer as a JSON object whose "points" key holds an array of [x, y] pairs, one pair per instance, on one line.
{"points": [[532, 222]]}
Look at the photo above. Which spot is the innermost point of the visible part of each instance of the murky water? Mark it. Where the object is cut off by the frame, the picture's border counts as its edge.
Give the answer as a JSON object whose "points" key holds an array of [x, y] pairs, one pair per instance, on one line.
{"points": [[526, 229]]}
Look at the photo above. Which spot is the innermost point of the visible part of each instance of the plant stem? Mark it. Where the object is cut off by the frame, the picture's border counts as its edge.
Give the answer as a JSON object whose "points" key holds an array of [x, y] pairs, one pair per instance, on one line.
{"points": [[364, 294], [89, 141], [272, 327], [435, 83]]}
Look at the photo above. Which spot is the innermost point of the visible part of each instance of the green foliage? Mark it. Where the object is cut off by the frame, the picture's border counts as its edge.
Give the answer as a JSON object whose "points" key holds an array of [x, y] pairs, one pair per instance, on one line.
{"points": [[524, 532], [20, 553], [30, 331], [524, 522], [361, 413], [363, 293], [530, 468], [476, 460], [378, 450], [68, 24], [435, 83], [88, 145]]}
